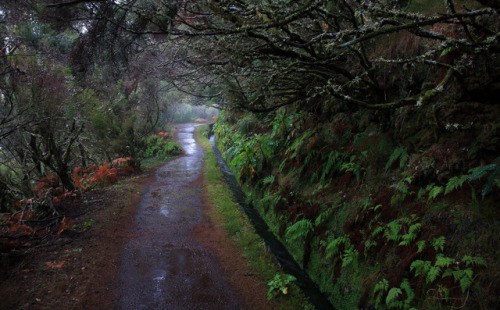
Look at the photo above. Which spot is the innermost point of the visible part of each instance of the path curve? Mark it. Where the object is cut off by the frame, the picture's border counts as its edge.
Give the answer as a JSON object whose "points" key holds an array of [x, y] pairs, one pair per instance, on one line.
{"points": [[163, 266]]}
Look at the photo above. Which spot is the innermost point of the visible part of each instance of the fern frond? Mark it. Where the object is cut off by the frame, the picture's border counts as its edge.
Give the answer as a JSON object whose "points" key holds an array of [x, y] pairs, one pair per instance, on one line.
{"points": [[398, 152], [268, 179], [455, 183], [420, 246], [350, 256], [392, 298], [333, 247], [479, 172], [438, 243], [433, 273], [299, 230], [443, 261], [491, 180], [435, 191], [410, 294], [478, 261]]}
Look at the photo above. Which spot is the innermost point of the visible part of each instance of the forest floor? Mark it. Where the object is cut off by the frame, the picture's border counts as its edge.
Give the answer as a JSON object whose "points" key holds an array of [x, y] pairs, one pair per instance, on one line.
{"points": [[80, 269]]}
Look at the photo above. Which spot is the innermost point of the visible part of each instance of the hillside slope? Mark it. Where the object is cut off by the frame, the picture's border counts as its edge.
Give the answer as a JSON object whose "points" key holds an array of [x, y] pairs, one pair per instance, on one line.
{"points": [[401, 214]]}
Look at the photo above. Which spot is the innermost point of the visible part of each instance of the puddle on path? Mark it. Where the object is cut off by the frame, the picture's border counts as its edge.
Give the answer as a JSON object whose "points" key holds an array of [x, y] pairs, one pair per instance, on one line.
{"points": [[162, 266]]}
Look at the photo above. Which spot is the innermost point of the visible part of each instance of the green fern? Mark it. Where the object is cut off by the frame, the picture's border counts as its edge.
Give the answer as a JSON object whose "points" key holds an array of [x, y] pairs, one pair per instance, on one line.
{"points": [[479, 172], [421, 267], [392, 298], [494, 176], [410, 294], [380, 288], [411, 235], [478, 261], [464, 278], [392, 231], [400, 153], [455, 183], [353, 167], [299, 230], [438, 243], [323, 216], [333, 164], [420, 246], [268, 180], [333, 247], [432, 274], [434, 192], [443, 261], [350, 257]]}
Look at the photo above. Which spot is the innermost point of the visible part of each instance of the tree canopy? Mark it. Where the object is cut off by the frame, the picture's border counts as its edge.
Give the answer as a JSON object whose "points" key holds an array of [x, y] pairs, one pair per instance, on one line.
{"points": [[83, 79]]}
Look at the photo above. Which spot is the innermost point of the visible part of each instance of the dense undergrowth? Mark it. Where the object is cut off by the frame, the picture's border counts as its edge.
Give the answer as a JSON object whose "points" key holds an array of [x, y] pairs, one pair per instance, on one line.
{"points": [[377, 218]]}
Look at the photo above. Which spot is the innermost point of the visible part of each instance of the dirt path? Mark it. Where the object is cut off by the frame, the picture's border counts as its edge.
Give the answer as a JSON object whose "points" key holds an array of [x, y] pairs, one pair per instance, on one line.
{"points": [[163, 266]]}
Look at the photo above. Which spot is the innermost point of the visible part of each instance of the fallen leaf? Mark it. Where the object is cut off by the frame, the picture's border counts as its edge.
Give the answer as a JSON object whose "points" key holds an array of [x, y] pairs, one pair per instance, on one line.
{"points": [[55, 264], [65, 224]]}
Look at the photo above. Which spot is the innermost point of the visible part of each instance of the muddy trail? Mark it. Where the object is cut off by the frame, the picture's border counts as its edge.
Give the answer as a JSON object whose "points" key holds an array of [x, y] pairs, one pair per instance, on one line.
{"points": [[163, 266]]}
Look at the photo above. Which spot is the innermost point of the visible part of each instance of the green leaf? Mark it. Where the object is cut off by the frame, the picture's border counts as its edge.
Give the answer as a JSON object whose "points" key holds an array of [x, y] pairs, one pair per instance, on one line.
{"points": [[464, 277], [350, 256], [455, 183], [414, 228], [392, 233], [447, 50], [395, 155], [421, 267], [379, 289], [447, 273], [433, 273], [443, 261], [333, 247], [478, 261], [377, 231], [420, 245], [299, 230], [435, 191], [465, 283], [268, 179], [489, 183], [405, 285], [438, 243], [323, 216], [381, 286], [479, 172], [392, 297]]}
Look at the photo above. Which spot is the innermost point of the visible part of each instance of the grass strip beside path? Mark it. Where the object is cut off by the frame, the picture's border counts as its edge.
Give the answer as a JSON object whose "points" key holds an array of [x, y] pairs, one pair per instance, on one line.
{"points": [[223, 211]]}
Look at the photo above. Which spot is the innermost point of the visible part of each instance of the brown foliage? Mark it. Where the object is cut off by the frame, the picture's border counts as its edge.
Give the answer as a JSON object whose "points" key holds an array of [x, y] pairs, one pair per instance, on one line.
{"points": [[65, 224], [47, 183], [163, 134], [105, 174]]}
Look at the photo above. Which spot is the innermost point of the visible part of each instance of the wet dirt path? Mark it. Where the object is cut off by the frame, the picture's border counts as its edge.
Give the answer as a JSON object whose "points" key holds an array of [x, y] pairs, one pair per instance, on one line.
{"points": [[163, 267]]}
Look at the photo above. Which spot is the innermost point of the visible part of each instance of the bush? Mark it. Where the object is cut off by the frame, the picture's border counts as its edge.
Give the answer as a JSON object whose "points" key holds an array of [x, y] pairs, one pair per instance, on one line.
{"points": [[155, 146]]}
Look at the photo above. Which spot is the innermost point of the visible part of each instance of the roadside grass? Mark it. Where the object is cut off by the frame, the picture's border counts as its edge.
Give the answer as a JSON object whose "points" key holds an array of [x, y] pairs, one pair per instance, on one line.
{"points": [[229, 215]]}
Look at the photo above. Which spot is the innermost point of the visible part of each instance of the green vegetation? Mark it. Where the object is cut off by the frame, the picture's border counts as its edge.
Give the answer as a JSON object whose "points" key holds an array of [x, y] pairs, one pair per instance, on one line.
{"points": [[229, 215], [363, 214], [160, 147], [279, 285]]}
